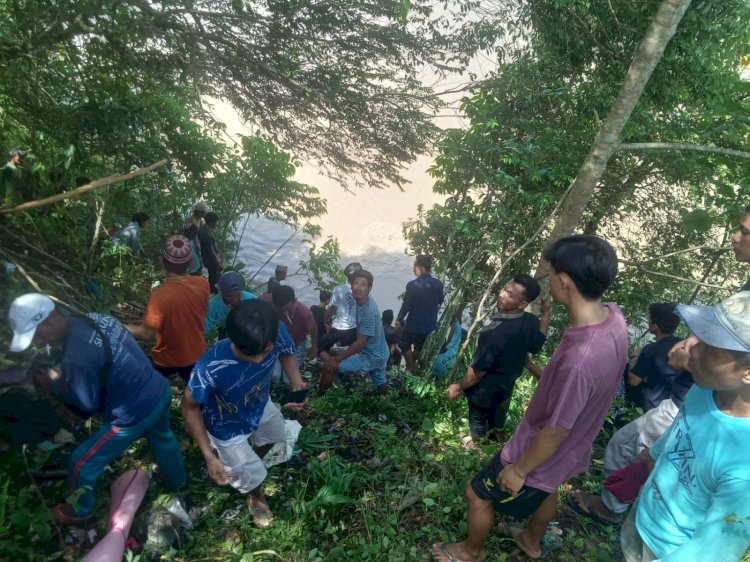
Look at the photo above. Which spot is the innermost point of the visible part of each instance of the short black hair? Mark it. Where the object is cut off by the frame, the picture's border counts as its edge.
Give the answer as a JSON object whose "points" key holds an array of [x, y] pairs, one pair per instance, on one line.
{"points": [[140, 218], [251, 325], [588, 260], [387, 316], [16, 152], [363, 273], [352, 268], [531, 288], [211, 218], [189, 230], [663, 315], [423, 260], [325, 296], [283, 295]]}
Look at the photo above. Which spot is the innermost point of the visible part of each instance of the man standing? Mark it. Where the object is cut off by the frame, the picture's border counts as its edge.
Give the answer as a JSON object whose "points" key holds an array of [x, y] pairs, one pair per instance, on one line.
{"points": [[499, 358], [103, 371], [741, 243], [209, 251], [662, 399], [344, 310], [176, 312], [419, 311], [694, 505], [227, 406], [231, 293], [297, 318], [130, 235], [278, 276], [554, 439], [369, 352], [11, 179]]}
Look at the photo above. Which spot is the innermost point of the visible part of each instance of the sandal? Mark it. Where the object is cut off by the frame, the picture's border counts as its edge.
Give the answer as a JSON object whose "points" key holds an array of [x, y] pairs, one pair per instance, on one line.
{"points": [[506, 532], [588, 509]]}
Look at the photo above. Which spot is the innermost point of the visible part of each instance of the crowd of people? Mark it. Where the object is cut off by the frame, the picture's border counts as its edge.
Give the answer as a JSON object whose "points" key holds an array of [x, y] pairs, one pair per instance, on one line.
{"points": [[680, 469]]}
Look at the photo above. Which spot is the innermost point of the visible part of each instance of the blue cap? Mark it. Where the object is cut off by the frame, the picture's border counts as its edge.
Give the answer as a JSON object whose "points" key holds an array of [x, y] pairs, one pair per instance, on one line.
{"points": [[230, 282]]}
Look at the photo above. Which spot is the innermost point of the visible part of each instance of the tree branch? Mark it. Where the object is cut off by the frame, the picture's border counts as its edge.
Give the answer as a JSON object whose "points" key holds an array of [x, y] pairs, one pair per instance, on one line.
{"points": [[109, 180], [633, 146]]}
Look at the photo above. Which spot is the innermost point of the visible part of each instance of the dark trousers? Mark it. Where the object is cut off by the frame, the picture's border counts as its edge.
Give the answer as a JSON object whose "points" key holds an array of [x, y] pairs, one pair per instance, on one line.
{"points": [[213, 279], [488, 418], [344, 337]]}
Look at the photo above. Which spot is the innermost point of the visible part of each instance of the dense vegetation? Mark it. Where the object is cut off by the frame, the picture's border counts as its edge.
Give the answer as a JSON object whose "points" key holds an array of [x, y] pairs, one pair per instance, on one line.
{"points": [[95, 88]]}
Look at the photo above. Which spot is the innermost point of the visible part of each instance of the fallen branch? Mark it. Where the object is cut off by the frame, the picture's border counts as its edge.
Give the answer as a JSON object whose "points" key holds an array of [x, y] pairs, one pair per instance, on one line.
{"points": [[109, 180]]}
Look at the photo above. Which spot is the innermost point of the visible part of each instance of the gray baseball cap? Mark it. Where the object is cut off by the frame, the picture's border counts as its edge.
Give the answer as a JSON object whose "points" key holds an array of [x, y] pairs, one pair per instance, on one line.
{"points": [[725, 325]]}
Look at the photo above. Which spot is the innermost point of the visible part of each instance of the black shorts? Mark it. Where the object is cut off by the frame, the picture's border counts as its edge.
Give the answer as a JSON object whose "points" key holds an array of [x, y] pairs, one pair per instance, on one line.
{"points": [[184, 372], [486, 487], [408, 339]]}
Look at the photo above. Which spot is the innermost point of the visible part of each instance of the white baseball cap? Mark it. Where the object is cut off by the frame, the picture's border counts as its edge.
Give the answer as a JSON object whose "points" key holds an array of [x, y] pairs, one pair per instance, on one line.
{"points": [[25, 314]]}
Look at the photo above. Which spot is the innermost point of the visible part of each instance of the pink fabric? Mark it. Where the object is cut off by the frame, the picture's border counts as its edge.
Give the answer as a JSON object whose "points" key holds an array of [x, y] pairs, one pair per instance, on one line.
{"points": [[574, 392], [625, 484], [127, 493], [302, 320]]}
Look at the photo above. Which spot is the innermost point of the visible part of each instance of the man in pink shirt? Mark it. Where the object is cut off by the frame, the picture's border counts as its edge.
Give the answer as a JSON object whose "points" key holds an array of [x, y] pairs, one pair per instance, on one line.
{"points": [[553, 441], [297, 318]]}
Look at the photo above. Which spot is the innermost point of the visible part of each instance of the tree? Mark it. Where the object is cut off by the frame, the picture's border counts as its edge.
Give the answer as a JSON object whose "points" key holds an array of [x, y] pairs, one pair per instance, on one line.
{"points": [[532, 124], [335, 82]]}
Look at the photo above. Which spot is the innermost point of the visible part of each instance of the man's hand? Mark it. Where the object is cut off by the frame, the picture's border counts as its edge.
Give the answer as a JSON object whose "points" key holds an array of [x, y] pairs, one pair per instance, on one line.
{"points": [[680, 354], [295, 406], [44, 381], [299, 385], [510, 480], [454, 391], [399, 325], [216, 471], [544, 308]]}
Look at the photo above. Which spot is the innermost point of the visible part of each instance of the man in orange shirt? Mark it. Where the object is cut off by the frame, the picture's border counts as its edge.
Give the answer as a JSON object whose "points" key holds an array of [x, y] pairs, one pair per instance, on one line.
{"points": [[175, 312]]}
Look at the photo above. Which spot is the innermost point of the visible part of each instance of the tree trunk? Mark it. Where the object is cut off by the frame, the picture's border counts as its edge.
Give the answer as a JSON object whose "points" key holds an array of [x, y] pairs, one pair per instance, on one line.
{"points": [[647, 55]]}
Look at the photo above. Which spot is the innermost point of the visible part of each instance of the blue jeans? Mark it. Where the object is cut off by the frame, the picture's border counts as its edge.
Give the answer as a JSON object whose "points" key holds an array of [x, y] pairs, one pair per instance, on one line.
{"points": [[89, 459], [357, 363]]}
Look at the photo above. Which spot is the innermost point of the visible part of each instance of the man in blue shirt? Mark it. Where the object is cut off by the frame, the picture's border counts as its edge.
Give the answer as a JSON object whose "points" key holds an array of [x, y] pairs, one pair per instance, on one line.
{"points": [[694, 505], [369, 352], [231, 293], [227, 408], [105, 372], [419, 311]]}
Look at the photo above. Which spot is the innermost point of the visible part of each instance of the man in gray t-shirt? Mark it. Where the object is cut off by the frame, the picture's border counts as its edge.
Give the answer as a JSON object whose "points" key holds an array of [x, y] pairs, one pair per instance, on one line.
{"points": [[344, 311], [369, 352]]}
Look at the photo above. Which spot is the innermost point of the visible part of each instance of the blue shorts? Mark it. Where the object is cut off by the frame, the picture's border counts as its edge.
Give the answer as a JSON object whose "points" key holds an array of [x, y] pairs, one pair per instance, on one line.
{"points": [[357, 363]]}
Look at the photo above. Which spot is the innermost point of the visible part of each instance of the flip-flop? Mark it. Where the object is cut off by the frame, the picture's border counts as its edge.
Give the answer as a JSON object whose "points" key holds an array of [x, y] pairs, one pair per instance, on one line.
{"points": [[259, 512], [506, 533], [448, 555], [589, 511]]}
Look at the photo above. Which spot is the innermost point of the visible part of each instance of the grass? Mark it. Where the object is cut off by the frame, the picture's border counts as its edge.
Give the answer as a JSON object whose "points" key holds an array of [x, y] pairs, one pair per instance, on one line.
{"points": [[384, 479]]}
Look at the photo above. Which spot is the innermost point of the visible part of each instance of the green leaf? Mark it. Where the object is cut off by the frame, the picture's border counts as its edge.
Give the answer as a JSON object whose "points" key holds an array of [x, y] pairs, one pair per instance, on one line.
{"points": [[427, 424]]}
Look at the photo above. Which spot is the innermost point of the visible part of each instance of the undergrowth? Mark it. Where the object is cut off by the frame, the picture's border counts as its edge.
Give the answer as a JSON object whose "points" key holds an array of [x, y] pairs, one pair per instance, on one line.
{"points": [[384, 479]]}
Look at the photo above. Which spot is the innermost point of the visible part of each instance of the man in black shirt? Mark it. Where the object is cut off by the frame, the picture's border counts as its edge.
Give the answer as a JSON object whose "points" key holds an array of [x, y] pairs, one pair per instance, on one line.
{"points": [[649, 370], [500, 355], [391, 338], [210, 251], [319, 312]]}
